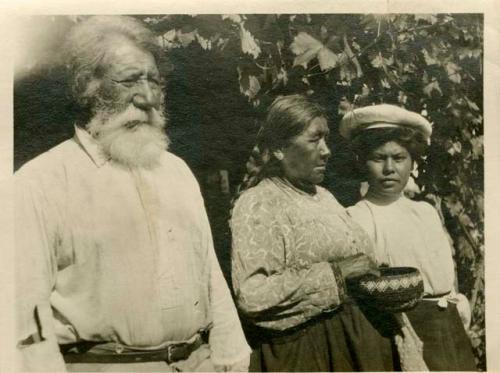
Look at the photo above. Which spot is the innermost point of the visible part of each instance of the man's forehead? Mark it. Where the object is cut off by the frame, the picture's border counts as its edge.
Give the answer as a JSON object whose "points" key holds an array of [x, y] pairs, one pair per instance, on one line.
{"points": [[124, 54]]}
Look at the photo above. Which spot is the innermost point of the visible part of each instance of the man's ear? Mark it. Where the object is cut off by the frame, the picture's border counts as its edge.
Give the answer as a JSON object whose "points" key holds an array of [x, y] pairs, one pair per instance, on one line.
{"points": [[278, 154], [86, 84]]}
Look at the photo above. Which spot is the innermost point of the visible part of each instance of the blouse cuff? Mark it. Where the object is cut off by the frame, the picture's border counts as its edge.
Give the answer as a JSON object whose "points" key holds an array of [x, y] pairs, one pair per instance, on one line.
{"points": [[341, 286]]}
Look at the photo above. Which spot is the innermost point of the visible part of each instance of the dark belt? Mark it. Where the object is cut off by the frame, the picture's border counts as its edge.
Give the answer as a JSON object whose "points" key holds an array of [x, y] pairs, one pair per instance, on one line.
{"points": [[432, 296], [266, 335], [111, 353]]}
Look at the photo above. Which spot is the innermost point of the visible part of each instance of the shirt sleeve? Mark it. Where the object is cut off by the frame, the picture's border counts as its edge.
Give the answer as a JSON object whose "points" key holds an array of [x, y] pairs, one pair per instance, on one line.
{"points": [[35, 276], [266, 288], [229, 349], [227, 340]]}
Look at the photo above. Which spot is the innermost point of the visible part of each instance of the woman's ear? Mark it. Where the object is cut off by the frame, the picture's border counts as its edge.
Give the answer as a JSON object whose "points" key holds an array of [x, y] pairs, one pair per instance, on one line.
{"points": [[278, 154]]}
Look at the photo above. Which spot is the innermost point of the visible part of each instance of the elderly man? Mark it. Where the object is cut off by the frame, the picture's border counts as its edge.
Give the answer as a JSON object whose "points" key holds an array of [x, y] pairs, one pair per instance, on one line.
{"points": [[115, 261]]}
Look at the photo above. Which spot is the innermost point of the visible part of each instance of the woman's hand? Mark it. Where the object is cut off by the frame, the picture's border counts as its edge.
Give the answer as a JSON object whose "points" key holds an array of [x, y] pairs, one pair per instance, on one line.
{"points": [[464, 309], [357, 265]]}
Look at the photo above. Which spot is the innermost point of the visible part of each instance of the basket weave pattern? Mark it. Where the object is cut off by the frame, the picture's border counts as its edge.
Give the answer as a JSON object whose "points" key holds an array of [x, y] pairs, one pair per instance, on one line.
{"points": [[398, 289]]}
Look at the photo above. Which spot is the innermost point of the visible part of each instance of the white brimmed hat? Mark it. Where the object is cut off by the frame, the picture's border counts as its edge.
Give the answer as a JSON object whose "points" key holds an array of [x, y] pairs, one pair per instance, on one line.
{"points": [[382, 116]]}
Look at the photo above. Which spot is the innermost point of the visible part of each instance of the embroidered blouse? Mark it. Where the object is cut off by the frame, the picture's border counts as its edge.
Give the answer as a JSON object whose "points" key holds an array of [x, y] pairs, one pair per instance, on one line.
{"points": [[283, 242]]}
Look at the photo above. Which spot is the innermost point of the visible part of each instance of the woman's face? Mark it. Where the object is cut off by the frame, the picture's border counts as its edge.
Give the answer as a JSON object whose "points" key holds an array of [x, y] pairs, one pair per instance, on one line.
{"points": [[304, 159], [388, 169]]}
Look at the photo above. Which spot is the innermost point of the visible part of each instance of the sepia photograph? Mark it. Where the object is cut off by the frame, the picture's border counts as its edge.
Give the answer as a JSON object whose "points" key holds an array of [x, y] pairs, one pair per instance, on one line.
{"points": [[249, 191]]}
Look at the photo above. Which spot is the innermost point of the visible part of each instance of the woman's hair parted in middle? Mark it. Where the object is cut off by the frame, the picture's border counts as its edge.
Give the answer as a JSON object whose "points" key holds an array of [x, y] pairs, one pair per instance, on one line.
{"points": [[287, 117]]}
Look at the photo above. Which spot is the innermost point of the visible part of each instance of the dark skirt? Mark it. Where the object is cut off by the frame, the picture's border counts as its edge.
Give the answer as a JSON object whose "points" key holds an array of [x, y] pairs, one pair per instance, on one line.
{"points": [[446, 344], [341, 341]]}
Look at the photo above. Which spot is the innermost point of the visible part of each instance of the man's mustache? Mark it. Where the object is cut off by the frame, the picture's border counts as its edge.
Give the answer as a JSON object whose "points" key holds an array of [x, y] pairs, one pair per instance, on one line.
{"points": [[106, 121], [132, 117]]}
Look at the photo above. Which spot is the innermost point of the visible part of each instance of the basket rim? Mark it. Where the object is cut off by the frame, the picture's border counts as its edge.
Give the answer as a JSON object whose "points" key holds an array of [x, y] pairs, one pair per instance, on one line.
{"points": [[412, 272]]}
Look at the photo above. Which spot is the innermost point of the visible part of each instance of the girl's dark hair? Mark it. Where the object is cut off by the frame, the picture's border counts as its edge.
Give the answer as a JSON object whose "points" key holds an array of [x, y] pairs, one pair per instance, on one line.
{"points": [[366, 141], [287, 117]]}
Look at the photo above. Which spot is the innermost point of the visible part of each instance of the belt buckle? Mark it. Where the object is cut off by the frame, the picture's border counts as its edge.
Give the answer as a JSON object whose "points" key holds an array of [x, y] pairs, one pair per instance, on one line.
{"points": [[170, 350]]}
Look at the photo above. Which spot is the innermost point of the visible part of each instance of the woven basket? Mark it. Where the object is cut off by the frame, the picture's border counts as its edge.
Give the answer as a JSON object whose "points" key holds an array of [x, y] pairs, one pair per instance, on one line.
{"points": [[398, 289]]}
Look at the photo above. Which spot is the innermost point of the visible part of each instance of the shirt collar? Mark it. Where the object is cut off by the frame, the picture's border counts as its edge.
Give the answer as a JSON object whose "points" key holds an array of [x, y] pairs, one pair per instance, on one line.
{"points": [[91, 146]]}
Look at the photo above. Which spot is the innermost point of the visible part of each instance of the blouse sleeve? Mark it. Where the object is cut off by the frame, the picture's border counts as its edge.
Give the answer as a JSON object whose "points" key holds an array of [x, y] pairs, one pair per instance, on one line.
{"points": [[266, 288], [444, 279], [361, 215]]}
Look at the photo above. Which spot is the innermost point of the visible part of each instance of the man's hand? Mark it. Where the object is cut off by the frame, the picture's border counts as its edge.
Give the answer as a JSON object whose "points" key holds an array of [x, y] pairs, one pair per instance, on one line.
{"points": [[357, 265]]}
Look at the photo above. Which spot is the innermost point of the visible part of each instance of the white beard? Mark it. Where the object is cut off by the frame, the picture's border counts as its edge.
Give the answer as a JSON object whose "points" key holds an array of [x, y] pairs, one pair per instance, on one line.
{"points": [[132, 137]]}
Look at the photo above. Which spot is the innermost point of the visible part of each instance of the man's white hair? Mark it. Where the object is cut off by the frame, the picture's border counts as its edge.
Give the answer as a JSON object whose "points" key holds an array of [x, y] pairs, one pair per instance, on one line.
{"points": [[86, 47]]}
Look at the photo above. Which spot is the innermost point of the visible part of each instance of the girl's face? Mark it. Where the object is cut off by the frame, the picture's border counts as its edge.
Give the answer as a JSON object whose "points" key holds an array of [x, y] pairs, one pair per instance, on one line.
{"points": [[388, 169]]}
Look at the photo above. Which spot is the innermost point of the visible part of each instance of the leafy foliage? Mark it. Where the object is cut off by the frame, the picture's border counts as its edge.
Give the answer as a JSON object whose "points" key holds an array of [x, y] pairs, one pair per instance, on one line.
{"points": [[230, 67], [429, 63]]}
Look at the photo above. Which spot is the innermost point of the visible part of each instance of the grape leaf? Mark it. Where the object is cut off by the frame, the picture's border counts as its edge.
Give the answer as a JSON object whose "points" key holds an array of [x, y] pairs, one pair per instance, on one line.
{"points": [[453, 72], [248, 43], [249, 84], [432, 86], [305, 47], [327, 59]]}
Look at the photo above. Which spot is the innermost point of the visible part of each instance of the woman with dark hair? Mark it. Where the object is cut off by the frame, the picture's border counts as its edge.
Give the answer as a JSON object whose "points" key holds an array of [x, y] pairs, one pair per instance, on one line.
{"points": [[293, 247], [388, 140]]}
